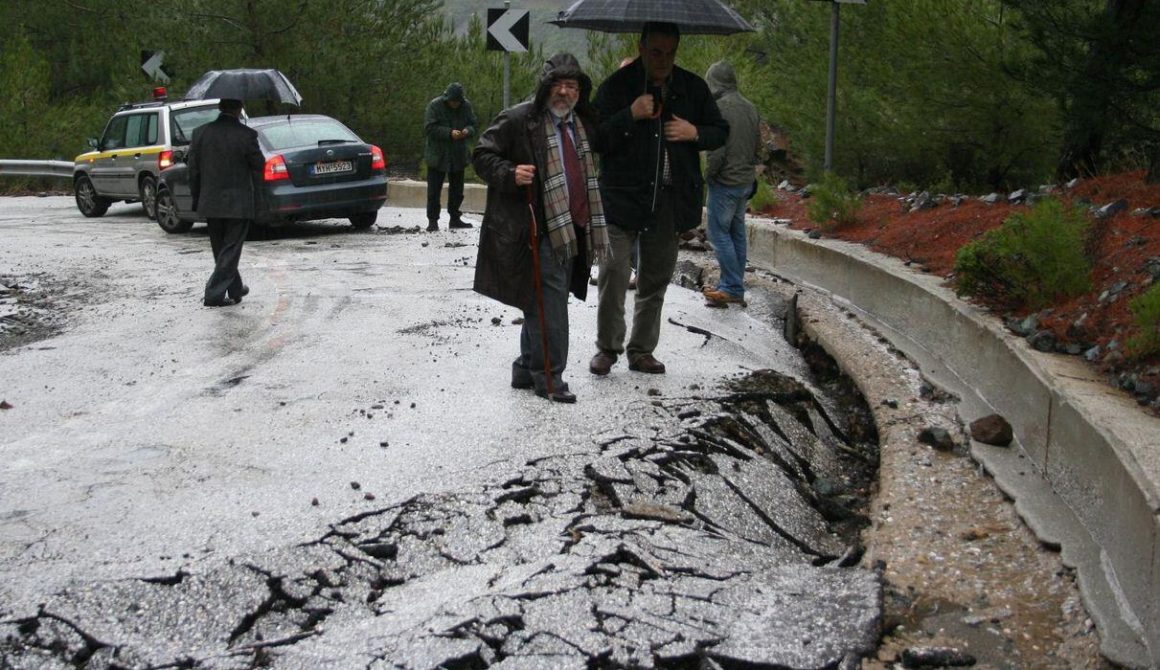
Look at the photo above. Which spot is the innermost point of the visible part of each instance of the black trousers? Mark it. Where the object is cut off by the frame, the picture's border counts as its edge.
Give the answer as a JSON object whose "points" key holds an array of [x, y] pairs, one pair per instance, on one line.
{"points": [[435, 190], [226, 237]]}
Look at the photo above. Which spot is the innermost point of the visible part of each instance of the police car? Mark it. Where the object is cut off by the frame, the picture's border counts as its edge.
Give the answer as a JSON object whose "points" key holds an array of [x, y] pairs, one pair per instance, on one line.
{"points": [[137, 145]]}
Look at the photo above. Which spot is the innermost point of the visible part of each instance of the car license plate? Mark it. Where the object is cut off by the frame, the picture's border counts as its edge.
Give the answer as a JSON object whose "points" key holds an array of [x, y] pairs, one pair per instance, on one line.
{"points": [[335, 167]]}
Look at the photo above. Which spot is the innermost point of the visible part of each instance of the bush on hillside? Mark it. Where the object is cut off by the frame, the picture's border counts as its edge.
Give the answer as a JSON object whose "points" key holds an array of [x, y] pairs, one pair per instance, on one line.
{"points": [[1030, 261], [832, 204], [1146, 310]]}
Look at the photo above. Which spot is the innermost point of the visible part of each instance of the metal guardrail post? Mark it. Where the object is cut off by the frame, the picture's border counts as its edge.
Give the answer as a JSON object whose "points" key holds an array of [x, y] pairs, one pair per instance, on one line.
{"points": [[23, 168]]}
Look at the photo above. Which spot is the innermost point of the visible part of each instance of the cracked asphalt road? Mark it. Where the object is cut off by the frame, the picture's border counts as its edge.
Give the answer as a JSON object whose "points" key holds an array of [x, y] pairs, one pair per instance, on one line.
{"points": [[336, 472]]}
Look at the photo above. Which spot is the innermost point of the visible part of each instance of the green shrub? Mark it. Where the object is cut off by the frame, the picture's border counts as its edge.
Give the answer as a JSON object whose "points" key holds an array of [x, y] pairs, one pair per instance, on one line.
{"points": [[1032, 260], [832, 203], [1146, 310], [763, 198]]}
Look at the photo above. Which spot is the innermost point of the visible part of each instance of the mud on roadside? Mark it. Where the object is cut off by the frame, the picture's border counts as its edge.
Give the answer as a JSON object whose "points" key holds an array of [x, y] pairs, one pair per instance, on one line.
{"points": [[35, 307]]}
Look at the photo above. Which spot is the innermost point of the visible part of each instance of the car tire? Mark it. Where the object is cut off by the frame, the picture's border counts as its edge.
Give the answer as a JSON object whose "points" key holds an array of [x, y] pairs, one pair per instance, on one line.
{"points": [[90, 204], [167, 214], [148, 191], [364, 220]]}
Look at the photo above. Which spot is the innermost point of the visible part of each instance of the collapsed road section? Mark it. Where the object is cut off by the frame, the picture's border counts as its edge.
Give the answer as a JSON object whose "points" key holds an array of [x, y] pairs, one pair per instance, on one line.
{"points": [[720, 531]]}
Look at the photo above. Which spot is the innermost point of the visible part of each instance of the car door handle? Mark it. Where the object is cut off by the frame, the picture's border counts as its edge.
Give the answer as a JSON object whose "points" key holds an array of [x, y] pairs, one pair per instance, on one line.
{"points": [[137, 155]]}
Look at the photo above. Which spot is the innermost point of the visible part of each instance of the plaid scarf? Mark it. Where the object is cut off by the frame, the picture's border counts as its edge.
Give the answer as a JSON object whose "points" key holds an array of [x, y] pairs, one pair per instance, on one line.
{"points": [[561, 232]]}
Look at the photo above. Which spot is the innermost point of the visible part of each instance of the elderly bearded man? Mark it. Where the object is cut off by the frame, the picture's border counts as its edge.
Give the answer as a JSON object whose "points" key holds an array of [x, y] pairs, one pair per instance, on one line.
{"points": [[537, 156]]}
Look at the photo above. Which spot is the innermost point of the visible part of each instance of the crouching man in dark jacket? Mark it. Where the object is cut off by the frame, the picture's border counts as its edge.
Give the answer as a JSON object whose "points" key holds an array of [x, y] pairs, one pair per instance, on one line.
{"points": [[655, 118], [537, 156]]}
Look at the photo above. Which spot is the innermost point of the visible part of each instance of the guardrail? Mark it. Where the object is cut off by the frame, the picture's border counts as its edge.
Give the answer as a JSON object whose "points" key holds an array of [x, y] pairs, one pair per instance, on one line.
{"points": [[63, 169]]}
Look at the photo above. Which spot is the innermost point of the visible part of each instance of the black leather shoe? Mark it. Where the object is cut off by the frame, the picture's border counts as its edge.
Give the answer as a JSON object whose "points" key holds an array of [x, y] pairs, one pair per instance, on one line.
{"points": [[564, 396], [224, 302], [522, 384], [646, 363], [245, 292], [459, 223], [432, 226], [601, 363]]}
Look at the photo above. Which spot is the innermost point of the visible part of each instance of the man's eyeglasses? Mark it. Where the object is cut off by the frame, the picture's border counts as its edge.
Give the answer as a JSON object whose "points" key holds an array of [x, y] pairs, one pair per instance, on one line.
{"points": [[566, 85]]}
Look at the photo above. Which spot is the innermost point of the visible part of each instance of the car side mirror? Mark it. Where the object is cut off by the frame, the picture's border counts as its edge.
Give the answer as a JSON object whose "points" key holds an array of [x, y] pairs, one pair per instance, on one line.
{"points": [[93, 143]]}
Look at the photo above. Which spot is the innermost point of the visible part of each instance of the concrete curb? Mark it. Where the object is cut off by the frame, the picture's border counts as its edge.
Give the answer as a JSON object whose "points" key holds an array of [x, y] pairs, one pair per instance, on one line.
{"points": [[411, 193], [1097, 455]]}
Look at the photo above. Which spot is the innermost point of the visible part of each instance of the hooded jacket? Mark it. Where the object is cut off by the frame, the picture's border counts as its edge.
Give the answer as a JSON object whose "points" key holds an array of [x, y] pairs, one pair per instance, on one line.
{"points": [[732, 164], [630, 161], [503, 269], [443, 153]]}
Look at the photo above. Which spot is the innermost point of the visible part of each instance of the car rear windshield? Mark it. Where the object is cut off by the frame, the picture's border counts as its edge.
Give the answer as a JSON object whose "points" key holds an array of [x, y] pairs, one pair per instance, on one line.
{"points": [[185, 121], [306, 133]]}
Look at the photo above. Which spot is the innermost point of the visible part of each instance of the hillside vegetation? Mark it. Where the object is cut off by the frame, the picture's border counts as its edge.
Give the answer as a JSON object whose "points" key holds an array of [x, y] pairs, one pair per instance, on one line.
{"points": [[955, 95]]}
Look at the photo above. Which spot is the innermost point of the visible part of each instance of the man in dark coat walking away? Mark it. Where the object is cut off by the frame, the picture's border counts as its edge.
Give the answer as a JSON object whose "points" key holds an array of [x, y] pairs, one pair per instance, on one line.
{"points": [[655, 118], [538, 156], [224, 161], [448, 123]]}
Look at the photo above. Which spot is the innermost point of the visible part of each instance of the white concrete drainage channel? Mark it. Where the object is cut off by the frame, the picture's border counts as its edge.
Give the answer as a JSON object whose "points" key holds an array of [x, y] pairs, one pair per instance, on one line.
{"points": [[1094, 490]]}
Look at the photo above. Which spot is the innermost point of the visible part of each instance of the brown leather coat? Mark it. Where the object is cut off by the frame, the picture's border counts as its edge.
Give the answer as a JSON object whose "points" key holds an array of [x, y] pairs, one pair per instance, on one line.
{"points": [[503, 269]]}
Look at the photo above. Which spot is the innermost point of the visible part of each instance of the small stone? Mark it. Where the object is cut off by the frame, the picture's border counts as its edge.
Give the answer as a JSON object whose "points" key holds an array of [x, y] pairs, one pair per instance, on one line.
{"points": [[1043, 340], [355, 485], [342, 440], [495, 320], [368, 496], [939, 438], [654, 392], [1111, 209], [314, 502], [384, 444], [935, 657], [992, 429], [4, 404], [815, 235], [254, 513]]}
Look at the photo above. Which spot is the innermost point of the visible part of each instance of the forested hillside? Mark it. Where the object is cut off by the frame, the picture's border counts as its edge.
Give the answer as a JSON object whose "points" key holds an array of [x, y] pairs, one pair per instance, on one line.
{"points": [[958, 94]]}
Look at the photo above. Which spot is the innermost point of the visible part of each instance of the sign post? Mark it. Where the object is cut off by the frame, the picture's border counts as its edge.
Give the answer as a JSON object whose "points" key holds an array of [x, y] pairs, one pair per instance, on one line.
{"points": [[832, 93], [507, 31]]}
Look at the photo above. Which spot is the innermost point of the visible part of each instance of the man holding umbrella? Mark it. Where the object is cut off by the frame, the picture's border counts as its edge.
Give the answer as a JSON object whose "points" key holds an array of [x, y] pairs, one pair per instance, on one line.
{"points": [[544, 222], [655, 119], [224, 160]]}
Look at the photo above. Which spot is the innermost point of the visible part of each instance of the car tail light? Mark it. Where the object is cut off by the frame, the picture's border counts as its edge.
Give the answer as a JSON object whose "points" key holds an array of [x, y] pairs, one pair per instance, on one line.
{"points": [[276, 169], [164, 159], [378, 160]]}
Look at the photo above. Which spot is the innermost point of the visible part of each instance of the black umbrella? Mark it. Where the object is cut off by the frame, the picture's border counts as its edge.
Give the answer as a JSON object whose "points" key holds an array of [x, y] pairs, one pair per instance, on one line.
{"points": [[693, 17], [244, 84]]}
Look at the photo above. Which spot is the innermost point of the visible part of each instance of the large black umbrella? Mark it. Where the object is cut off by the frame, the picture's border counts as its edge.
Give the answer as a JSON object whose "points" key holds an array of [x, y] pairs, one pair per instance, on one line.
{"points": [[693, 17], [244, 84]]}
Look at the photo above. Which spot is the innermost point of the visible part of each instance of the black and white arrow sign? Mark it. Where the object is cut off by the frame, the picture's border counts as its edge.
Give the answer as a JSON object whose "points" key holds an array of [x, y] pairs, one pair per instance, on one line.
{"points": [[507, 30], [151, 63]]}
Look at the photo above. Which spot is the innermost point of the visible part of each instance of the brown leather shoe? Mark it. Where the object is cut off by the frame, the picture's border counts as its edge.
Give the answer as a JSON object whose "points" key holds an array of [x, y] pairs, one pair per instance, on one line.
{"points": [[601, 363], [722, 297], [646, 363]]}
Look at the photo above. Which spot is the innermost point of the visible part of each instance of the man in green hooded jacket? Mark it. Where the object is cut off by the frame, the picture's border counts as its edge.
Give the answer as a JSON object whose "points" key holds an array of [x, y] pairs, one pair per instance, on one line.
{"points": [[448, 123]]}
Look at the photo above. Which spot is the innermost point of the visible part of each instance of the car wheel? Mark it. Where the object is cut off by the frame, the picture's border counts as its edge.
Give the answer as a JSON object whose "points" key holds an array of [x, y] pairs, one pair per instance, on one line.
{"points": [[148, 191], [90, 204], [167, 215], [364, 220]]}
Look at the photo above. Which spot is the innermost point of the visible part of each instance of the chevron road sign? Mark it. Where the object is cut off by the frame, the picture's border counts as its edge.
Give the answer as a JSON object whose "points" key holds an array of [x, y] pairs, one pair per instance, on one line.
{"points": [[507, 29], [151, 64]]}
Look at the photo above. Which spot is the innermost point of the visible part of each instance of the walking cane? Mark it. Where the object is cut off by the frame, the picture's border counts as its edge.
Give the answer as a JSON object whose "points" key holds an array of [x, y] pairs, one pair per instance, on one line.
{"points": [[539, 293]]}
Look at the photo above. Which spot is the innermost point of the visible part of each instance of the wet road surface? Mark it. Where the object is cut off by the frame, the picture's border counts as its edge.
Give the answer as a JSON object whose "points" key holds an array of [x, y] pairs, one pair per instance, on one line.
{"points": [[337, 473]]}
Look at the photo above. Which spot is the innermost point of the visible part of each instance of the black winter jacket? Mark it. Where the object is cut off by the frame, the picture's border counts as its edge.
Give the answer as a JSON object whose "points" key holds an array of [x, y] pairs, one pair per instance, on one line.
{"points": [[630, 162]]}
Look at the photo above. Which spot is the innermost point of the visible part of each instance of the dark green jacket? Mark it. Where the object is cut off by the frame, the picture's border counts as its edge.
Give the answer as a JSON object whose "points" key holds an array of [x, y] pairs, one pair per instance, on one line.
{"points": [[443, 153]]}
